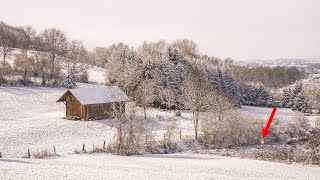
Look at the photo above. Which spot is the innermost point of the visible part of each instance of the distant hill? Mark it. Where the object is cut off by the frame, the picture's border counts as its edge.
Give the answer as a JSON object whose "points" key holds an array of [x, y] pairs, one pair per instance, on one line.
{"points": [[279, 62]]}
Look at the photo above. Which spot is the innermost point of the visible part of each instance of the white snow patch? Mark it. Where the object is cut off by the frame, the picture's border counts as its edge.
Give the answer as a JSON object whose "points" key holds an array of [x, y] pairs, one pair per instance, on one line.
{"points": [[172, 166]]}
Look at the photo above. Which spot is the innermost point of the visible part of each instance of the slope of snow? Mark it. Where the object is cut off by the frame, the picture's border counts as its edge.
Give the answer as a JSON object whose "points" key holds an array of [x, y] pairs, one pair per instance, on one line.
{"points": [[282, 113], [97, 74], [31, 119], [173, 166]]}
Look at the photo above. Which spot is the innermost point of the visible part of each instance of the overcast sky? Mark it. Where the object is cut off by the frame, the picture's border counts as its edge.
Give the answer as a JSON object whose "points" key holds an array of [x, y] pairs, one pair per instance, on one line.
{"points": [[240, 29]]}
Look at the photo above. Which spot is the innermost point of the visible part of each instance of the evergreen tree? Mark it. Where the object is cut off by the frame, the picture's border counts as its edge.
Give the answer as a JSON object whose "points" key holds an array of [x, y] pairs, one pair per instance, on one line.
{"points": [[297, 88], [70, 82], [301, 104], [285, 99]]}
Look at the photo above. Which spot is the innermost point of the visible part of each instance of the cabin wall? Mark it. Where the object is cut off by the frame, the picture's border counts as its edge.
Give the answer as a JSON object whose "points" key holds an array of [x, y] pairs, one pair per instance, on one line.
{"points": [[73, 107], [100, 111]]}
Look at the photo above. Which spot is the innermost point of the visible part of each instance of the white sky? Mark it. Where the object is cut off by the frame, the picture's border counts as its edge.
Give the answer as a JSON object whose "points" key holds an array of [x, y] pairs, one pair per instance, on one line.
{"points": [[240, 29]]}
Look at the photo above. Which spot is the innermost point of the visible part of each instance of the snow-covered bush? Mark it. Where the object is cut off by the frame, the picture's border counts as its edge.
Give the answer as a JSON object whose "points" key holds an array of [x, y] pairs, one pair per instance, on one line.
{"points": [[70, 82], [168, 139], [236, 129], [130, 130], [83, 77], [299, 127]]}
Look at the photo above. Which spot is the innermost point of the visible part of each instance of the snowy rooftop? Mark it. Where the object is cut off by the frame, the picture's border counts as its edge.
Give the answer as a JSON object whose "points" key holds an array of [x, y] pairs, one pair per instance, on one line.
{"points": [[96, 95]]}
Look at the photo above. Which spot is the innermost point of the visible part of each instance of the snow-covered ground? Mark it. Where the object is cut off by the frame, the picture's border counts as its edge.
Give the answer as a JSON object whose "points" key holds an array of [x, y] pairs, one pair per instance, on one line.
{"points": [[97, 74], [281, 113], [31, 119], [172, 166]]}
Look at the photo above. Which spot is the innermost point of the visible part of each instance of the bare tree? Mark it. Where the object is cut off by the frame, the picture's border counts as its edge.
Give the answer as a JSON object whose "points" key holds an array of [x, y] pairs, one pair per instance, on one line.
{"points": [[41, 66], [28, 37], [76, 57], [129, 129], [167, 97], [7, 41], [56, 43], [186, 47], [221, 105], [23, 65], [198, 97], [145, 95]]}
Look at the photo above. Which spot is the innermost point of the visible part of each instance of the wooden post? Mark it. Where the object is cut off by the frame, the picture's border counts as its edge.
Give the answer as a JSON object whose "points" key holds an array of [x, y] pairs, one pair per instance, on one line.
{"points": [[180, 134], [28, 154], [54, 150], [83, 148], [104, 144], [146, 137]]}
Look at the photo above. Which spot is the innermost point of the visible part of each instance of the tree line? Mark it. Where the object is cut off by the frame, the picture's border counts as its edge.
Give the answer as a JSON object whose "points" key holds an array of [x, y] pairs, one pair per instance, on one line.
{"points": [[38, 55], [176, 76], [302, 98], [154, 74]]}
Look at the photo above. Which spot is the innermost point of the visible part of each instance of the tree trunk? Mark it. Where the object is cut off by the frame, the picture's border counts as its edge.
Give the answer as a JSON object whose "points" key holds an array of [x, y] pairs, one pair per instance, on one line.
{"points": [[4, 60], [120, 140], [52, 66], [196, 123], [25, 76], [145, 112]]}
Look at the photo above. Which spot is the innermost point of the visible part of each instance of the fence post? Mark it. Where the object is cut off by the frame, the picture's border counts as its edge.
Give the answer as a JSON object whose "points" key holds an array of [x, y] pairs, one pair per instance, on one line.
{"points": [[28, 154], [54, 150], [83, 148], [180, 134], [104, 144]]}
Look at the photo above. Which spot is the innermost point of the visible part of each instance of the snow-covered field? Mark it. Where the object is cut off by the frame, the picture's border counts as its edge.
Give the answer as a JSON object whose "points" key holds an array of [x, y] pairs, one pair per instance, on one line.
{"points": [[172, 166], [283, 114], [31, 119]]}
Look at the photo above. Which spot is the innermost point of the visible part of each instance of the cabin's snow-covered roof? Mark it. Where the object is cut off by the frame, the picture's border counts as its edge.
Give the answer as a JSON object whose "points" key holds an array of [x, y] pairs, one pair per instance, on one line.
{"points": [[96, 95]]}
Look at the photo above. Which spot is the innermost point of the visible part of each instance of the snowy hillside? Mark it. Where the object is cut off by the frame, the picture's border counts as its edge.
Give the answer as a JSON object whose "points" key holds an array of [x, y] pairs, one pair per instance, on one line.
{"points": [[31, 120]]}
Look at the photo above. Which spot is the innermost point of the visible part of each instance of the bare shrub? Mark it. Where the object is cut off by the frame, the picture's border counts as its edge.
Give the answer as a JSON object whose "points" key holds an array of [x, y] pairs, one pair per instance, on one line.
{"points": [[177, 113], [40, 154], [169, 144], [150, 144], [83, 76], [236, 129], [276, 128], [299, 127], [130, 130]]}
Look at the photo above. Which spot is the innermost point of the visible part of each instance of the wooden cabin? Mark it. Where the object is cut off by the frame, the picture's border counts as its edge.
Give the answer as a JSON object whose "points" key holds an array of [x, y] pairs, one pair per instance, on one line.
{"points": [[93, 103]]}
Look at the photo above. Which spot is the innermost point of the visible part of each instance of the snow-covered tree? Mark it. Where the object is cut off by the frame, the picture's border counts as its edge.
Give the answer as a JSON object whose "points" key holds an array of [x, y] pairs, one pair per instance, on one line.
{"points": [[70, 82], [301, 104], [285, 99]]}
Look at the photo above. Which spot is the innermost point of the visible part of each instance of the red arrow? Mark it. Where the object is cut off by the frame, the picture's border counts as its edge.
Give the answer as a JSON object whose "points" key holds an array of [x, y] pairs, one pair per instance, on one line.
{"points": [[265, 131]]}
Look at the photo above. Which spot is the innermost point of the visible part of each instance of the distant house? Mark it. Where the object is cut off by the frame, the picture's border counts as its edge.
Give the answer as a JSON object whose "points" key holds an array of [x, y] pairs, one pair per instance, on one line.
{"points": [[92, 103]]}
